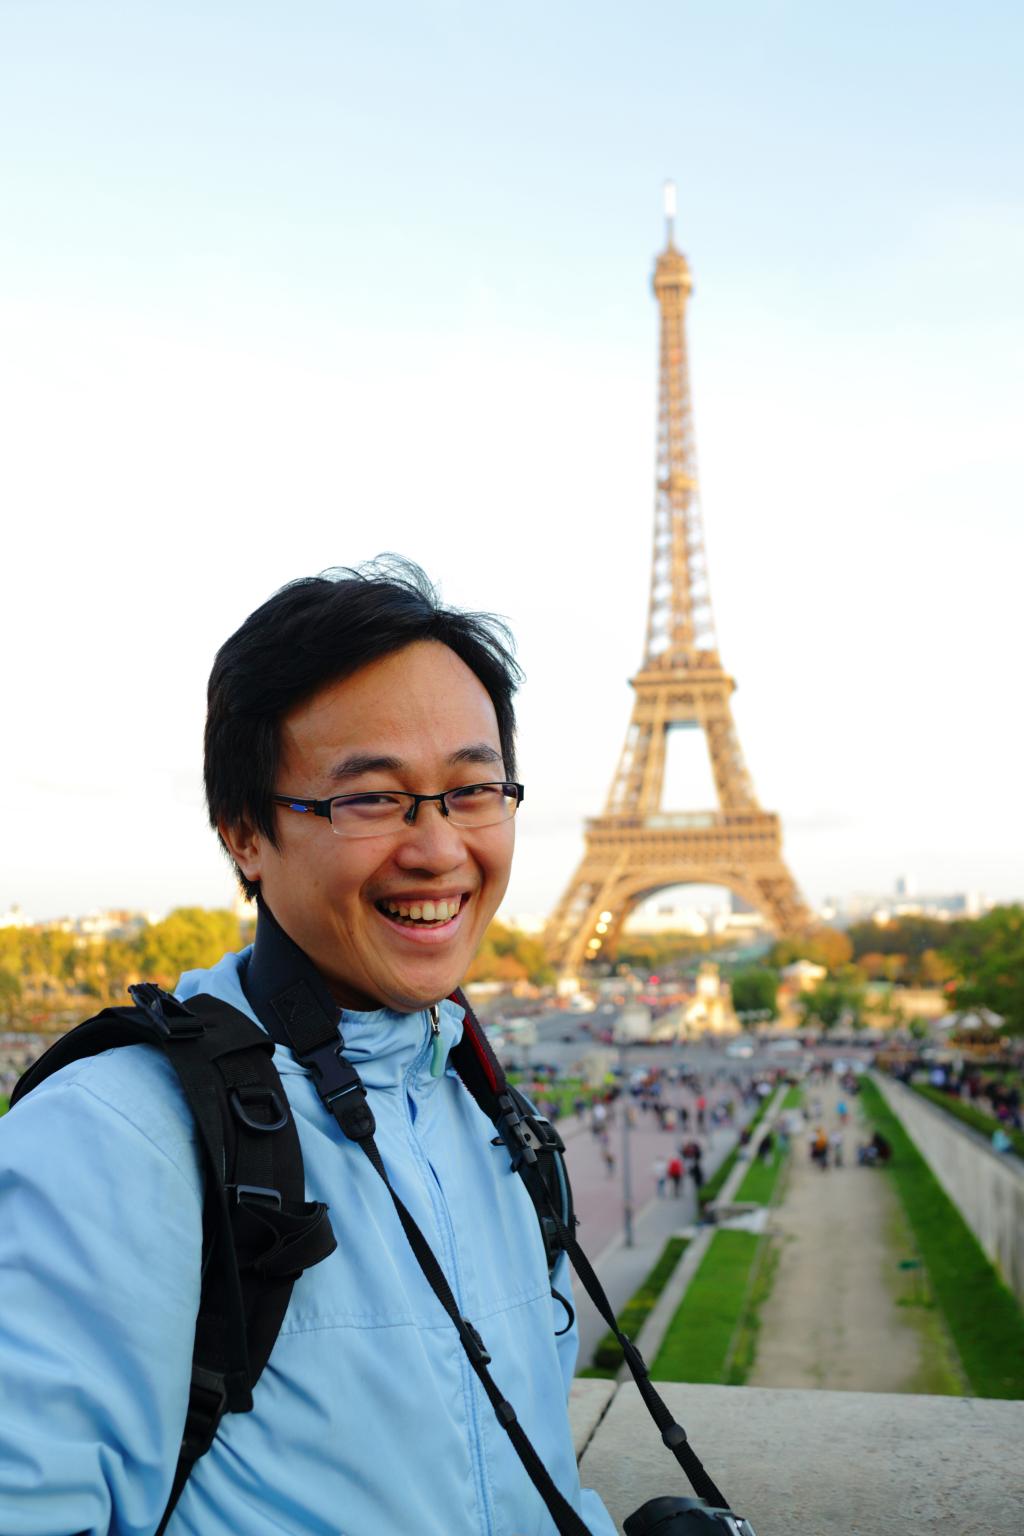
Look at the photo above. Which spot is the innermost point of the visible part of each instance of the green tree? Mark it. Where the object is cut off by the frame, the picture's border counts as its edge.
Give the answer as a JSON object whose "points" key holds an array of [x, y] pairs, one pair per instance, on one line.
{"points": [[838, 1001], [822, 946], [755, 990], [188, 937], [987, 956], [10, 994]]}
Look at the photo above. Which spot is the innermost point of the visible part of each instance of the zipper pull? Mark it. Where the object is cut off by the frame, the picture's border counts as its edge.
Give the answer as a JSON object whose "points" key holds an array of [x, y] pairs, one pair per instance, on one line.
{"points": [[437, 1047]]}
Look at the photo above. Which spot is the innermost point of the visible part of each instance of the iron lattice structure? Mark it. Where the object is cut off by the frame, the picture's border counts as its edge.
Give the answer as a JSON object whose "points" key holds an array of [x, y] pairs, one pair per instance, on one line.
{"points": [[635, 848]]}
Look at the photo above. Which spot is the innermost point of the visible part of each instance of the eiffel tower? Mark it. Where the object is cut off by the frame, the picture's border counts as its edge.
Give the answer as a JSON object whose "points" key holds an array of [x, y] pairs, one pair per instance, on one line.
{"points": [[635, 848]]}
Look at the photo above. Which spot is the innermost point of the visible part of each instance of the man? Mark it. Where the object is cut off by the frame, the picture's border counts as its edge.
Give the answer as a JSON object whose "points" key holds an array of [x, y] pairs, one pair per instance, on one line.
{"points": [[360, 772]]}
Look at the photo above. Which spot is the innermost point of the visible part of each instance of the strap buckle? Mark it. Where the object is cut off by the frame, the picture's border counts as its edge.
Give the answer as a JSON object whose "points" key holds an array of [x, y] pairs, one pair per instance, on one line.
{"points": [[514, 1132], [255, 1095], [207, 1405], [475, 1346], [172, 1018], [255, 1194]]}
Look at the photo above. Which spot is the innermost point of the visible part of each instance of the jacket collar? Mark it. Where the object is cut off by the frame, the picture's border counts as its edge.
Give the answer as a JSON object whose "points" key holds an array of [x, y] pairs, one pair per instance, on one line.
{"points": [[382, 1045]]}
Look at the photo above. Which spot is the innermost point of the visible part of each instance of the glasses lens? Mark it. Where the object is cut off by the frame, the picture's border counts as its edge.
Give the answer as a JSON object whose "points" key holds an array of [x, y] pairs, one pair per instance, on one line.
{"points": [[368, 815], [481, 805]]}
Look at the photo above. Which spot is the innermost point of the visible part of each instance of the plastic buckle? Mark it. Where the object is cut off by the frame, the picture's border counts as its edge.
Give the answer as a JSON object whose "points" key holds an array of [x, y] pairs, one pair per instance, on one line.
{"points": [[171, 1016], [255, 1094], [546, 1134], [476, 1348], [207, 1404], [250, 1194], [510, 1126]]}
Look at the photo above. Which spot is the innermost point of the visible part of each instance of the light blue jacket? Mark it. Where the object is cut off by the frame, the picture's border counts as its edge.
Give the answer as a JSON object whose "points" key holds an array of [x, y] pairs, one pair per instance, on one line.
{"points": [[368, 1420]]}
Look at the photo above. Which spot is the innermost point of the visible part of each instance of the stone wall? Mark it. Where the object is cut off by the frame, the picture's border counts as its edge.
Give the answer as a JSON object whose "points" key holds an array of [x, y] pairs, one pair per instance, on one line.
{"points": [[987, 1187], [815, 1463]]}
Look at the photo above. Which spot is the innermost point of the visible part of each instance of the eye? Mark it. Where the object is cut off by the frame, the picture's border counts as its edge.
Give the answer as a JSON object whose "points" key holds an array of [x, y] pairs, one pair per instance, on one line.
{"points": [[368, 805], [476, 792]]}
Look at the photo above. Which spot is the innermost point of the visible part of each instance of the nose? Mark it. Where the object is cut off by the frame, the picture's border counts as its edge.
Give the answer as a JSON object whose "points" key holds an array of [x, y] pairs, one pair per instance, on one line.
{"points": [[433, 842]]}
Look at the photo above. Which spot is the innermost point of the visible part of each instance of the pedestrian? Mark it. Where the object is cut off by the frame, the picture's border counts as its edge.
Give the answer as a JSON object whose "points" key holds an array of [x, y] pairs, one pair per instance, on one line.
{"points": [[660, 1169], [697, 1172], [675, 1173], [360, 773], [819, 1147], [764, 1150], [609, 1159], [835, 1142]]}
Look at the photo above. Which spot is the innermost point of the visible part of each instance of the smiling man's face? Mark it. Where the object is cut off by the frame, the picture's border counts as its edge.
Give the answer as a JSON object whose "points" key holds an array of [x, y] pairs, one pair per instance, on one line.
{"points": [[424, 710]]}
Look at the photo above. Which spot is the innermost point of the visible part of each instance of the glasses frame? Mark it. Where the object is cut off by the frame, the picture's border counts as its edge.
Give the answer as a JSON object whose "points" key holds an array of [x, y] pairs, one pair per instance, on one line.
{"points": [[323, 807]]}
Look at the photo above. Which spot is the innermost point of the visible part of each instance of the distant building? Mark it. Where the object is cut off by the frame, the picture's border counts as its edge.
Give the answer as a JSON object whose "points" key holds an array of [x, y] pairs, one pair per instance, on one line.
{"points": [[803, 976], [14, 917], [904, 901], [666, 919]]}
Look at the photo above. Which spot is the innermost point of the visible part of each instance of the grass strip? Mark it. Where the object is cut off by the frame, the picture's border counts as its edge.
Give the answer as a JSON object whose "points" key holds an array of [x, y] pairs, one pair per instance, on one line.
{"points": [[969, 1114], [744, 1343], [698, 1344], [983, 1317], [711, 1190], [761, 1178], [608, 1354]]}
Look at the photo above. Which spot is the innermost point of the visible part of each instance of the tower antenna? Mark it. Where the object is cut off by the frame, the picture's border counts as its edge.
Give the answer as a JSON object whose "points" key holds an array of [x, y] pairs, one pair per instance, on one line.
{"points": [[670, 210]]}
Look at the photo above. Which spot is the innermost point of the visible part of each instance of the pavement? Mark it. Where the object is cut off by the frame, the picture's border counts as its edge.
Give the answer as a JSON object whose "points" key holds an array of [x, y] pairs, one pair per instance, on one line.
{"points": [[621, 1269], [842, 1313]]}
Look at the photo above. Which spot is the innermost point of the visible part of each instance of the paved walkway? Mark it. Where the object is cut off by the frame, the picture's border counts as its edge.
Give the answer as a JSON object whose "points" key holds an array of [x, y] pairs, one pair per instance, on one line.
{"points": [[832, 1319], [619, 1268]]}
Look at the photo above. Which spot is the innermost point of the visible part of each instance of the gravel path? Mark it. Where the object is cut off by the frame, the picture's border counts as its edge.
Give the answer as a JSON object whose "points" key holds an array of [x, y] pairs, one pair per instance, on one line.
{"points": [[832, 1320]]}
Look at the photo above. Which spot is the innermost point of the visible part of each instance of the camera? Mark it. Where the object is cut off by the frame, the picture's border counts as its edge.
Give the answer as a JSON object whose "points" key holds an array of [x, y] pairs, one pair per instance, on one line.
{"points": [[685, 1517]]}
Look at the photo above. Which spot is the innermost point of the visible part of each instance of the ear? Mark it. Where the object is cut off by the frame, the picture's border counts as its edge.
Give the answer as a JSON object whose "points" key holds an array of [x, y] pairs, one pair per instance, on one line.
{"points": [[246, 845]]}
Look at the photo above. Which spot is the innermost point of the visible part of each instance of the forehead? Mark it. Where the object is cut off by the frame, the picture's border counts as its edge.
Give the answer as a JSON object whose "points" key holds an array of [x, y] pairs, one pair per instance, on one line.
{"points": [[419, 704]]}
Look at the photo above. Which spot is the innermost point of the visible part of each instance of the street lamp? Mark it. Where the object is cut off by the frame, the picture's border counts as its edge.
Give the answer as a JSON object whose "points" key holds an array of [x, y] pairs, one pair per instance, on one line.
{"points": [[621, 1038]]}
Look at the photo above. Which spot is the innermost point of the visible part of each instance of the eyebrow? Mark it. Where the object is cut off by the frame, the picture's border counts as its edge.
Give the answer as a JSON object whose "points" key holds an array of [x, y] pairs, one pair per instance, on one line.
{"points": [[358, 763]]}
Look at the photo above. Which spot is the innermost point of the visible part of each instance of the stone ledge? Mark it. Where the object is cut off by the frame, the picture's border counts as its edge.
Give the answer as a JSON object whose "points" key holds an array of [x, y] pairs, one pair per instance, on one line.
{"points": [[589, 1397], [800, 1463]]}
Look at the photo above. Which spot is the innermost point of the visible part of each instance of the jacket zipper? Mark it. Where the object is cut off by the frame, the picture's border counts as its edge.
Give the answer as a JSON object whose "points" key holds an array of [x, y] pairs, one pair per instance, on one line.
{"points": [[431, 1048]]}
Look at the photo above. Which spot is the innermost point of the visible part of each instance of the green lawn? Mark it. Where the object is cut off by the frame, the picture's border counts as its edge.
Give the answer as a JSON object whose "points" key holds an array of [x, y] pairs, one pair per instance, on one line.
{"points": [[761, 1178], [983, 1317], [711, 1190], [608, 1354], [699, 1344]]}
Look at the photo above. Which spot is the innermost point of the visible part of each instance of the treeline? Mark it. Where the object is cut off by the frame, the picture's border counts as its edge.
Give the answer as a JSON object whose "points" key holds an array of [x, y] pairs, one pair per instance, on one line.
{"points": [[45, 972], [509, 956], [980, 961]]}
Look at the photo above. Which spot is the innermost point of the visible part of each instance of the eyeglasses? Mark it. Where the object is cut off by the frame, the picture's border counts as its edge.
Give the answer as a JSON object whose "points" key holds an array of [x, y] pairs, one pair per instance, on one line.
{"points": [[386, 810]]}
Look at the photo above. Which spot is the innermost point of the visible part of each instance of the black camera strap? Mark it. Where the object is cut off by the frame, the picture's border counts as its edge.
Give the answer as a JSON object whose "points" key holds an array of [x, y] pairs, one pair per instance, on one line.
{"points": [[484, 1076]]}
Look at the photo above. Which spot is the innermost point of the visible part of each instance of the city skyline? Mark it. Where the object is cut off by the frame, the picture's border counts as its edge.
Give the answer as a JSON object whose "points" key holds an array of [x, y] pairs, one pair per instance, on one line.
{"points": [[293, 327]]}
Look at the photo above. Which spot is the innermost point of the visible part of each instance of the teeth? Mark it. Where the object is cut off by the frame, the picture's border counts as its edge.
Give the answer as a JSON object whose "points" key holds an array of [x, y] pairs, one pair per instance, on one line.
{"points": [[426, 911]]}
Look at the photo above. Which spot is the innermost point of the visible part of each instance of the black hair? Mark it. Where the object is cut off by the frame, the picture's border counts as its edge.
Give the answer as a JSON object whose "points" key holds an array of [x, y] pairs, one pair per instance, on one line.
{"points": [[315, 631]]}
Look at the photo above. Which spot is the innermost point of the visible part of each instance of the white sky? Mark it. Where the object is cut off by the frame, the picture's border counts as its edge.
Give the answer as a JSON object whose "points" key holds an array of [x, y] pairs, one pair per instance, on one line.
{"points": [[283, 287]]}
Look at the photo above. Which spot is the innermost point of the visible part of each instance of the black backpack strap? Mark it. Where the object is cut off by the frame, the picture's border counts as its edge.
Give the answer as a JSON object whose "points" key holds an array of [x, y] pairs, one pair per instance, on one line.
{"points": [[484, 1076], [259, 1232]]}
